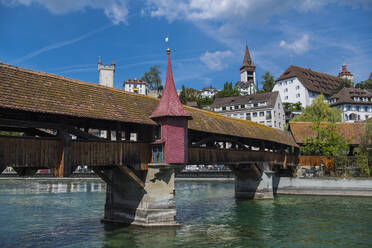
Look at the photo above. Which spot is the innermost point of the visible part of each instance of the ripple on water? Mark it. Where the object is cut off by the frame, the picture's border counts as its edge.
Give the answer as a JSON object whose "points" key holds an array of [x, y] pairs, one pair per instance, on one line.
{"points": [[67, 214]]}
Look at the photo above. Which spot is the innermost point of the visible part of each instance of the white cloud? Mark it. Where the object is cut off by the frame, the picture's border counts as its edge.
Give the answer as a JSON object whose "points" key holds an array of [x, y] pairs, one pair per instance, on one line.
{"points": [[115, 10], [214, 61], [298, 46], [220, 10]]}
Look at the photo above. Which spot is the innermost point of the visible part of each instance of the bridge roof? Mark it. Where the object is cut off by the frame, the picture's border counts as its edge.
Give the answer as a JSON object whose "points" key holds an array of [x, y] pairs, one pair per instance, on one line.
{"points": [[33, 91]]}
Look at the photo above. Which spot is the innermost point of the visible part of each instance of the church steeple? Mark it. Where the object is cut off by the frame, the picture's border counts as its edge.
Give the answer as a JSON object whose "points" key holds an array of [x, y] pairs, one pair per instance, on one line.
{"points": [[247, 74]]}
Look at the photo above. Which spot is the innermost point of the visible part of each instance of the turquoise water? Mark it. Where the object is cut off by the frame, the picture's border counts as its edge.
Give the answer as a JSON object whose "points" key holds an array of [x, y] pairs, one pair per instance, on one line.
{"points": [[39, 213]]}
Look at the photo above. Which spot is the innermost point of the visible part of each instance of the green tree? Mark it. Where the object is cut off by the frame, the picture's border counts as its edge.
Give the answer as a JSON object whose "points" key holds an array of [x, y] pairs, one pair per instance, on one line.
{"points": [[292, 106], [327, 141], [268, 83], [189, 95], [364, 152], [152, 77], [367, 84], [345, 83], [228, 90], [319, 111]]}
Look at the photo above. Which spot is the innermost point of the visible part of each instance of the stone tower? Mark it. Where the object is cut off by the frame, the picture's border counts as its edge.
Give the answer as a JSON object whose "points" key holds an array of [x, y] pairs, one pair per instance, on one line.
{"points": [[345, 73], [106, 74], [248, 72]]}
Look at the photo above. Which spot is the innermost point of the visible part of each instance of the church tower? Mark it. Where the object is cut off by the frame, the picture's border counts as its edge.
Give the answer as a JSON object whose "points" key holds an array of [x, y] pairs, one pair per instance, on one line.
{"points": [[345, 73], [248, 73], [106, 74]]}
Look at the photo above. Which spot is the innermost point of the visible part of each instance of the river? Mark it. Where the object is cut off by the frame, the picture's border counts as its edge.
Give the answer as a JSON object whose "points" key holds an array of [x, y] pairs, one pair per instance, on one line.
{"points": [[63, 213]]}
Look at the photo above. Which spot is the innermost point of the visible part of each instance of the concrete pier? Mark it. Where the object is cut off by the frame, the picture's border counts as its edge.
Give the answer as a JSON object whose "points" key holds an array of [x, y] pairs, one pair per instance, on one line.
{"points": [[253, 181], [153, 205]]}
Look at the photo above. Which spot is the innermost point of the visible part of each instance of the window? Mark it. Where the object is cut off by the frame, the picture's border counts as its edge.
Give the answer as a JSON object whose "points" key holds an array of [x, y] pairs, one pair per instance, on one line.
{"points": [[157, 154], [254, 114], [236, 106], [298, 95], [255, 105], [242, 106], [286, 90], [286, 98], [297, 87], [262, 114], [280, 124], [262, 122], [224, 108], [248, 117]]}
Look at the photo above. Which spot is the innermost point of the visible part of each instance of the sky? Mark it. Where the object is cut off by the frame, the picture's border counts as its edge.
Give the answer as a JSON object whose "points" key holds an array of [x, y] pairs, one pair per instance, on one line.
{"points": [[207, 37]]}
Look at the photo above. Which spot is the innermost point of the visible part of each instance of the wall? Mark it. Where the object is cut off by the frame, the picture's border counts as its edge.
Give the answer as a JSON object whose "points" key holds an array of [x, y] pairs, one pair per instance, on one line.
{"points": [[294, 87], [323, 186]]}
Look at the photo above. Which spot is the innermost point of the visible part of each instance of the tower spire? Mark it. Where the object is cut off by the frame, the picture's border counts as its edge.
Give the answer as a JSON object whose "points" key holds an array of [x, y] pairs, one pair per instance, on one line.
{"points": [[170, 104]]}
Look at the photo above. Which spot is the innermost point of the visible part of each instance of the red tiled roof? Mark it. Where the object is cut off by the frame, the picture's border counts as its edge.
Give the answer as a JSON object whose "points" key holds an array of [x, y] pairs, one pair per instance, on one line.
{"points": [[32, 91], [350, 131], [170, 104], [312, 80]]}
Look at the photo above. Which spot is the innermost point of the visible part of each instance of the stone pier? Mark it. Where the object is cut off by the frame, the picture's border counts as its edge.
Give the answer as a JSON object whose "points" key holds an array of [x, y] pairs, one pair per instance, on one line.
{"points": [[153, 205], [253, 181]]}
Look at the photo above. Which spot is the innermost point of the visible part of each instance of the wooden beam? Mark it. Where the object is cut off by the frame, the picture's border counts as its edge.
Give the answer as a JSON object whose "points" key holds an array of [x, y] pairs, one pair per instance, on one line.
{"points": [[124, 169], [104, 177]]}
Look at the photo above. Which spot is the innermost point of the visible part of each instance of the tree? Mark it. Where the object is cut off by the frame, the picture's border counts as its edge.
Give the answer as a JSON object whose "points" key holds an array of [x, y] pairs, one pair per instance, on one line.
{"points": [[189, 95], [228, 90], [367, 84], [345, 83], [363, 153], [292, 106], [319, 111], [327, 141], [152, 77], [268, 83]]}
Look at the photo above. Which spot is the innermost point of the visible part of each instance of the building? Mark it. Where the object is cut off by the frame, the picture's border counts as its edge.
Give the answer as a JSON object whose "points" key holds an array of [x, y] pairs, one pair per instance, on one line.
{"points": [[356, 104], [302, 85], [136, 86], [208, 92], [264, 108], [345, 74], [247, 83], [106, 74], [352, 132]]}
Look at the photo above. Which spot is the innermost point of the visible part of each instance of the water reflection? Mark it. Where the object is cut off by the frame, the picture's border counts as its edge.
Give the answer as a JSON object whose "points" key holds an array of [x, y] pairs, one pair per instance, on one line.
{"points": [[57, 213], [53, 186]]}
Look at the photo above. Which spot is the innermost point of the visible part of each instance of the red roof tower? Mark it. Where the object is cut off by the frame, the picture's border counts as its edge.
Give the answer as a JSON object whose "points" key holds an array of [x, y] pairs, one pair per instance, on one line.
{"points": [[172, 146]]}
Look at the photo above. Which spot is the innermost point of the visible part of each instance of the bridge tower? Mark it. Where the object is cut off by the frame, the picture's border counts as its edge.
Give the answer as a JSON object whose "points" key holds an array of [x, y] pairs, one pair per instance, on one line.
{"points": [[153, 204]]}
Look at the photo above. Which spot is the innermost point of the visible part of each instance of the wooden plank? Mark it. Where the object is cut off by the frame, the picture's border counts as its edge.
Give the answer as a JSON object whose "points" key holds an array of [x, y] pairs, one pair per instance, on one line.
{"points": [[124, 169]]}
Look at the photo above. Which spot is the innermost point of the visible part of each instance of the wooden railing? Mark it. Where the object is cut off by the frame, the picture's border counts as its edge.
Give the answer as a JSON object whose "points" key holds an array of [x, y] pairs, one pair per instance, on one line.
{"points": [[220, 156], [110, 153], [30, 152]]}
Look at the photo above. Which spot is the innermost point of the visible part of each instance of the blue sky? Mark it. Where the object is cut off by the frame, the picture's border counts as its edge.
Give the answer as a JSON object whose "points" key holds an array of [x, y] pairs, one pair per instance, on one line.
{"points": [[207, 37]]}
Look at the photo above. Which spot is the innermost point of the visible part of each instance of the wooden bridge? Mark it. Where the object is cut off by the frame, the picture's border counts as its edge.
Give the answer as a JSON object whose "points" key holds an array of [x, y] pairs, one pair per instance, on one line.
{"points": [[58, 120]]}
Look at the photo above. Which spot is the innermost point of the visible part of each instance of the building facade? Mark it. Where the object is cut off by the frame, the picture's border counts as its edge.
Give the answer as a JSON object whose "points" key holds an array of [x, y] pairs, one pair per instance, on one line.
{"points": [[264, 108], [106, 74], [247, 83], [136, 86], [355, 104], [208, 92], [302, 85]]}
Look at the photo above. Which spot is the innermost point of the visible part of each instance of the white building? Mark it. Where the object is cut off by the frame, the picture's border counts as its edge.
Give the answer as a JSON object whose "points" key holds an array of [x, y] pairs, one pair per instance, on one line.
{"points": [[345, 74], [106, 74], [247, 83], [136, 86], [356, 104], [208, 92], [264, 108], [302, 85]]}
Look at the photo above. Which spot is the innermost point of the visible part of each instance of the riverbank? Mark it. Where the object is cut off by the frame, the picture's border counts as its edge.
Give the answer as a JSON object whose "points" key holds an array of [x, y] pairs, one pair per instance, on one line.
{"points": [[323, 186]]}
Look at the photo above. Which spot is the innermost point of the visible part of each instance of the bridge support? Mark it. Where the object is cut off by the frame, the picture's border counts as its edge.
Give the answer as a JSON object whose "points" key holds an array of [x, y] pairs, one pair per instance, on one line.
{"points": [[151, 205], [253, 181]]}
